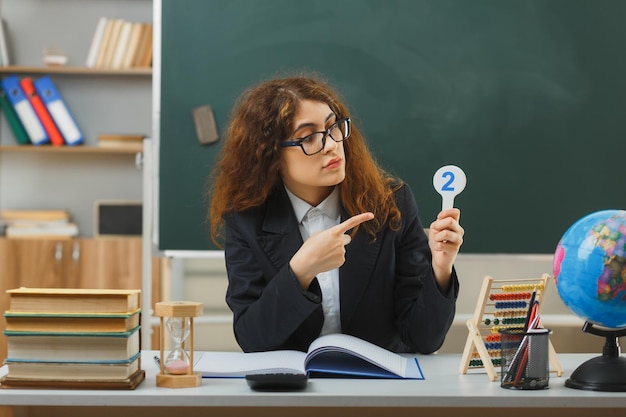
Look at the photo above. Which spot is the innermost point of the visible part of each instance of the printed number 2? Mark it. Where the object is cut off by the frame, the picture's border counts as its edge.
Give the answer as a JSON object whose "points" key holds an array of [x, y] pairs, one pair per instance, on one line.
{"points": [[447, 185]]}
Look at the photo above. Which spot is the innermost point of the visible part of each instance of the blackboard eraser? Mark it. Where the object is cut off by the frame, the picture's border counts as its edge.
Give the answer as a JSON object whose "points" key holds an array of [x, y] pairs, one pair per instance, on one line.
{"points": [[204, 121]]}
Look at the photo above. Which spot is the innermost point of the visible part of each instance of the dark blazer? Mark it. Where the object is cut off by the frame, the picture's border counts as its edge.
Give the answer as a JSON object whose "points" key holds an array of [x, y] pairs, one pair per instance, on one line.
{"points": [[388, 293]]}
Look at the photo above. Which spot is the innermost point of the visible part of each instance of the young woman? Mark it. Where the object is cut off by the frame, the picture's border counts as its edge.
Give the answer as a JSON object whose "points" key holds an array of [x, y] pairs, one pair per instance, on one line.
{"points": [[318, 238]]}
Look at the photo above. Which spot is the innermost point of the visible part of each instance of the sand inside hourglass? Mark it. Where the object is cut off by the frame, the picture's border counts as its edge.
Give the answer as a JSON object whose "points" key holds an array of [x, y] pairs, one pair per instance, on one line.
{"points": [[177, 367], [177, 362]]}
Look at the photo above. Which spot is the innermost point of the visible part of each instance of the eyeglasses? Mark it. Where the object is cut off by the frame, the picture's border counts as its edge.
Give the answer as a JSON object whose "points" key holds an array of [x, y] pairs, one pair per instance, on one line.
{"points": [[316, 141]]}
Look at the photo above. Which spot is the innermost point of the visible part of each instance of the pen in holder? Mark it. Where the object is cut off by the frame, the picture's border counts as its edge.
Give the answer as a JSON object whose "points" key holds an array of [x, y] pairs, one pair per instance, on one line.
{"points": [[525, 359]]}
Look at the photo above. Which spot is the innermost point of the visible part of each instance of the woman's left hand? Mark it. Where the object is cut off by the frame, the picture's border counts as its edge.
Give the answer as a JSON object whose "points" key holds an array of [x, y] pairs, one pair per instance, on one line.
{"points": [[445, 238]]}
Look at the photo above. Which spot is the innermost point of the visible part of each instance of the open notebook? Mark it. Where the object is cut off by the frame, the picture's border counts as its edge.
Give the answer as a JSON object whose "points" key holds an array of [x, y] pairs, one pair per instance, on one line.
{"points": [[330, 355]]}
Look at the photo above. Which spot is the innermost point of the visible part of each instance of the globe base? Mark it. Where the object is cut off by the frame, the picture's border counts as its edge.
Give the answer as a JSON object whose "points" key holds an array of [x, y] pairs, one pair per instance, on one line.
{"points": [[603, 373], [600, 374]]}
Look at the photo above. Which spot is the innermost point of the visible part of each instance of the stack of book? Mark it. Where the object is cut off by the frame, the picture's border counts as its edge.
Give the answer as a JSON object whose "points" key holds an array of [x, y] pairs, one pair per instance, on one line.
{"points": [[36, 112], [120, 44], [40, 224], [73, 338]]}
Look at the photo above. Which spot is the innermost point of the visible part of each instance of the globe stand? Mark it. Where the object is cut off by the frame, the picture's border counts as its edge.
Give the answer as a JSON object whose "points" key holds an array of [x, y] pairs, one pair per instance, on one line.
{"points": [[602, 373]]}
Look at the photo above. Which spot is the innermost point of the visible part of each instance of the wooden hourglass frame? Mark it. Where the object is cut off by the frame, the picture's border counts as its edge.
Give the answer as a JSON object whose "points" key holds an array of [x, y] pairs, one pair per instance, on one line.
{"points": [[178, 310]]}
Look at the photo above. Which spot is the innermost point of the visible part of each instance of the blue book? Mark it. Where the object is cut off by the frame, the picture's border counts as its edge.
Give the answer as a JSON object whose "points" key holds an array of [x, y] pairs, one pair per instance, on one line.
{"points": [[59, 111], [24, 110]]}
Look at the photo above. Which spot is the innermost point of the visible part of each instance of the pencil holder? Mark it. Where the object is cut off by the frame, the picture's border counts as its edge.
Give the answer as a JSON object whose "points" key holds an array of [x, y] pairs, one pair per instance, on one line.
{"points": [[525, 360]]}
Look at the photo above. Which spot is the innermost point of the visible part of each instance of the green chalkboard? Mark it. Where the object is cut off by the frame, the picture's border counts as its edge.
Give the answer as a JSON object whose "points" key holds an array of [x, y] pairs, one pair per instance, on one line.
{"points": [[527, 96]]}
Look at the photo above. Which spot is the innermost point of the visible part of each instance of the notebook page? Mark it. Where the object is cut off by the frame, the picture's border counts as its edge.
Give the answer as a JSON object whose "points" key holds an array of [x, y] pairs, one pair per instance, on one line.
{"points": [[239, 364]]}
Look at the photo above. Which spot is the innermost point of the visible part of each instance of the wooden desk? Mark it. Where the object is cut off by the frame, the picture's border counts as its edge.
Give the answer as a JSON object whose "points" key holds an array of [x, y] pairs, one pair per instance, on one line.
{"points": [[444, 393]]}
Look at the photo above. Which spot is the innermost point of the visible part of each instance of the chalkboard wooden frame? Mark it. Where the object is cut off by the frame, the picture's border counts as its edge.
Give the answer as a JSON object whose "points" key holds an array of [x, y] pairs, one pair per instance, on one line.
{"points": [[526, 96]]}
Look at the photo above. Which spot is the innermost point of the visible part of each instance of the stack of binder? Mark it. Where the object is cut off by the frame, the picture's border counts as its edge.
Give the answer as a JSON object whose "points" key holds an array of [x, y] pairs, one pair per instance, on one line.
{"points": [[73, 338], [36, 112]]}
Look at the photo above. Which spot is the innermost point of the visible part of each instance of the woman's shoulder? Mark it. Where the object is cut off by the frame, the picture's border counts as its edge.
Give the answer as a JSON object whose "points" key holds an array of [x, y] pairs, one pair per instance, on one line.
{"points": [[405, 200], [276, 203], [401, 190]]}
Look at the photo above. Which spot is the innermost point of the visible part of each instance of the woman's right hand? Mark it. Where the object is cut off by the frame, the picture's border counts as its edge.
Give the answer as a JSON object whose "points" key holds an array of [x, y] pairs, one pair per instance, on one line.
{"points": [[324, 251]]}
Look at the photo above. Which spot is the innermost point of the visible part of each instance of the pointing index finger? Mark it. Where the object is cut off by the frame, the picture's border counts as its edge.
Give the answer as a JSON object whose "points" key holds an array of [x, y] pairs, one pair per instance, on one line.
{"points": [[353, 221]]}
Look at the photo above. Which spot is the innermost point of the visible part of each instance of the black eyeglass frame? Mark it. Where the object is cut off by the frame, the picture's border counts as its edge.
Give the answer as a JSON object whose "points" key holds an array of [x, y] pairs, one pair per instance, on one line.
{"points": [[298, 142]]}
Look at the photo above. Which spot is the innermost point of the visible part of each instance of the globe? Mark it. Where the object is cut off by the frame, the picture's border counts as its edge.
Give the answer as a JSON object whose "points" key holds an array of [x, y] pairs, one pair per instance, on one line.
{"points": [[590, 268]]}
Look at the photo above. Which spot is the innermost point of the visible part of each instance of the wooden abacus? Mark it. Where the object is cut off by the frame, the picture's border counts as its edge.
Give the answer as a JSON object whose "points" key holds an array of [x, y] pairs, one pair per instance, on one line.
{"points": [[502, 304]]}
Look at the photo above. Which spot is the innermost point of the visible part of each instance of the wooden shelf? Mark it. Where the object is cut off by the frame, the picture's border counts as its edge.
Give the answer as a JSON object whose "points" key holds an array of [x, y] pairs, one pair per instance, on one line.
{"points": [[16, 69], [67, 149]]}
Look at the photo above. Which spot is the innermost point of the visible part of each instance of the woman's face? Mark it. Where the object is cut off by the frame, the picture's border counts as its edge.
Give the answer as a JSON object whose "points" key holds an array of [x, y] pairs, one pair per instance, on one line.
{"points": [[312, 177]]}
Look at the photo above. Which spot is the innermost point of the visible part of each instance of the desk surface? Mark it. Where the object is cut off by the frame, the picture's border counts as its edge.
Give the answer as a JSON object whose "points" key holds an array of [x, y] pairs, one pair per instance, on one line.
{"points": [[443, 387]]}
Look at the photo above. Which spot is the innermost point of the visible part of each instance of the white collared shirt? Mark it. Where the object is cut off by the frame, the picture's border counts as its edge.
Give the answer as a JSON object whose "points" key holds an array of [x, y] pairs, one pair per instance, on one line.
{"points": [[316, 219]]}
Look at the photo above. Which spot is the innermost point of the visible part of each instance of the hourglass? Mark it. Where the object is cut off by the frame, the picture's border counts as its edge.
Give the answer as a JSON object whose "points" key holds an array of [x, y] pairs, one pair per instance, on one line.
{"points": [[177, 321]]}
